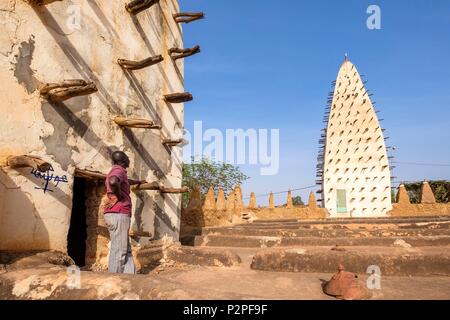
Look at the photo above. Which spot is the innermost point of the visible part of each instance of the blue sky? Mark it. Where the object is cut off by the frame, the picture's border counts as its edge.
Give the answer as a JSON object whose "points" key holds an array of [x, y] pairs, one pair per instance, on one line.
{"points": [[269, 64]]}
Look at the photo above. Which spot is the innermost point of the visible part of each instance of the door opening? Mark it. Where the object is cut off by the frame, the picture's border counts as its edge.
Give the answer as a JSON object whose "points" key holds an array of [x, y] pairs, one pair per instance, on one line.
{"points": [[76, 239], [341, 199]]}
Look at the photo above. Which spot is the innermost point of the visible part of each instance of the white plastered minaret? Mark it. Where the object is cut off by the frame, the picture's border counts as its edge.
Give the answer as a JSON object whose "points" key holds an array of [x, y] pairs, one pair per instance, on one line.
{"points": [[354, 165]]}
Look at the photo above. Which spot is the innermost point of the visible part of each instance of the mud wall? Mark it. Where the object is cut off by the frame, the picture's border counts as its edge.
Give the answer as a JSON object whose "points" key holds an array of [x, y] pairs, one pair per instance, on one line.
{"points": [[427, 206], [212, 211], [218, 211], [420, 210], [82, 40]]}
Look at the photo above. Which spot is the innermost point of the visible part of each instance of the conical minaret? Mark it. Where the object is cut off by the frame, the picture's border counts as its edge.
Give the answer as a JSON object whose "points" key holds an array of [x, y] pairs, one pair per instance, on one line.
{"points": [[353, 164]]}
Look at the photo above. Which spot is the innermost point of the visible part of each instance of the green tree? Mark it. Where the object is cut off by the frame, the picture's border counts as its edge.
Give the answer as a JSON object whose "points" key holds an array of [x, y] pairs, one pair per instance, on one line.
{"points": [[441, 191], [393, 196], [207, 173], [297, 201]]}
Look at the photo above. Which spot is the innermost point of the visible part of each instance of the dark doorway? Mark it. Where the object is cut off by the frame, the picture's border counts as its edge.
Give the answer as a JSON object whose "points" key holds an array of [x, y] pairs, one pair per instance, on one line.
{"points": [[76, 239]]}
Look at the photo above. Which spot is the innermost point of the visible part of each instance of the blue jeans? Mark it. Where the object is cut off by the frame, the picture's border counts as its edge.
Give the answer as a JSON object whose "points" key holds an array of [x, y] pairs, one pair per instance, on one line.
{"points": [[120, 256]]}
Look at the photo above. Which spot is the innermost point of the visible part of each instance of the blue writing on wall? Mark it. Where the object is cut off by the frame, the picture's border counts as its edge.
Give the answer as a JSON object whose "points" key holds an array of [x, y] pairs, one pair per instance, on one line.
{"points": [[47, 177]]}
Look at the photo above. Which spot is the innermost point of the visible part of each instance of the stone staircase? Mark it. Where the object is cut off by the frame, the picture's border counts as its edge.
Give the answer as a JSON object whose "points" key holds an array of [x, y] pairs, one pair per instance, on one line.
{"points": [[399, 246]]}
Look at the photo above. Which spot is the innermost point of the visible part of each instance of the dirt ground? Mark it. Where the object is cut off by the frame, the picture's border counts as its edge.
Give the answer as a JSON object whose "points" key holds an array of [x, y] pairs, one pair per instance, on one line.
{"points": [[33, 277]]}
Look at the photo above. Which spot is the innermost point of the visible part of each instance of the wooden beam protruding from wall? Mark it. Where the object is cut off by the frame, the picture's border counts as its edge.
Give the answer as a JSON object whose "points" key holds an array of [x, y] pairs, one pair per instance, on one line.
{"points": [[177, 53], [103, 230], [174, 190], [58, 92], [136, 65], [187, 17], [155, 186], [27, 161], [41, 2], [95, 175], [172, 142], [136, 233], [89, 174], [137, 6], [136, 123], [178, 97]]}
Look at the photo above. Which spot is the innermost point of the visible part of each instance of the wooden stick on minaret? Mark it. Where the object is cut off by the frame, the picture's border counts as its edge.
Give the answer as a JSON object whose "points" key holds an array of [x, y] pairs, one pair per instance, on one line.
{"points": [[58, 92], [178, 97], [187, 17], [136, 123], [137, 6], [27, 161], [172, 142], [177, 53], [136, 65]]}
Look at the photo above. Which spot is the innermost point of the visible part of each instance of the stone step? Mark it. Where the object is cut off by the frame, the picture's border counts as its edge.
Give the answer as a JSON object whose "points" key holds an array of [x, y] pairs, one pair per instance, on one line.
{"points": [[150, 257], [347, 221], [270, 221], [322, 226], [211, 257], [331, 233], [391, 261], [356, 220], [267, 242], [331, 228]]}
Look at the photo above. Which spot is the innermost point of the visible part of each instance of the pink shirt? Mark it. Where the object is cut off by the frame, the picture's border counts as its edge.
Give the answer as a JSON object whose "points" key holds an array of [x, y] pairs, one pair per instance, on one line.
{"points": [[124, 205]]}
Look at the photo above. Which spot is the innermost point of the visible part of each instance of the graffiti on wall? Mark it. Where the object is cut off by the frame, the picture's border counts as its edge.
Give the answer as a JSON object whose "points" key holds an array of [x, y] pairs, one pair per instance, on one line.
{"points": [[46, 177]]}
